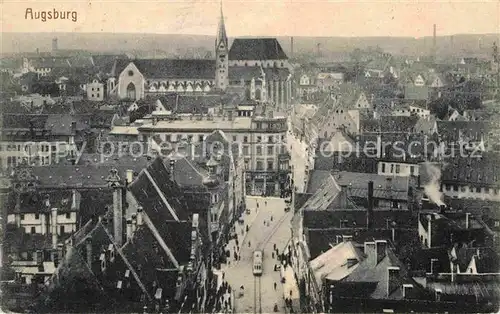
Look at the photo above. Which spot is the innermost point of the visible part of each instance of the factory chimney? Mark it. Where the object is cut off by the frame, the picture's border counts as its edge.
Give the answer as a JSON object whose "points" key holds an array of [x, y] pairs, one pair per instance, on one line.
{"points": [[291, 47], [434, 45]]}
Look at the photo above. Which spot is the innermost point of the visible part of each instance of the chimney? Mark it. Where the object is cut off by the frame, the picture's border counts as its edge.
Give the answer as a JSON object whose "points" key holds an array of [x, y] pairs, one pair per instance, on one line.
{"points": [[139, 215], [130, 176], [172, 168], [371, 253], [393, 279], [351, 262], [73, 126], [429, 231], [114, 182], [88, 247], [291, 46], [369, 212], [134, 222], [129, 229], [407, 291], [434, 265], [467, 220], [381, 249], [442, 209], [54, 227]]}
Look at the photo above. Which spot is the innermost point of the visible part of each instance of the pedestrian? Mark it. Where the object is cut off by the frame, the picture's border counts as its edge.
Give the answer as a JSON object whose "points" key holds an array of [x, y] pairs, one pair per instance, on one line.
{"points": [[274, 246], [271, 218], [237, 242], [257, 205], [265, 203], [275, 285], [247, 228], [290, 293], [249, 244], [272, 254], [264, 222], [223, 274]]}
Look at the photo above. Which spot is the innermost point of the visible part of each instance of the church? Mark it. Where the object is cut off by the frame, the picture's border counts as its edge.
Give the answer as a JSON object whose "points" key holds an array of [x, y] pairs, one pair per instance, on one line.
{"points": [[258, 65]]}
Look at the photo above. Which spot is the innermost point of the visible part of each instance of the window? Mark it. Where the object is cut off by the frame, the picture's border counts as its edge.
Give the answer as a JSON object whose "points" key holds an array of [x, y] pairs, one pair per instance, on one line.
{"points": [[33, 230], [448, 187], [235, 138], [200, 138], [259, 125], [22, 216], [246, 151], [37, 216], [270, 165], [167, 137], [455, 188], [259, 150], [259, 165], [392, 168], [190, 138], [130, 73], [398, 168], [383, 168], [487, 190], [61, 230], [270, 139], [97, 95], [478, 190], [68, 215], [462, 188], [412, 170], [270, 150], [259, 139], [245, 139]]}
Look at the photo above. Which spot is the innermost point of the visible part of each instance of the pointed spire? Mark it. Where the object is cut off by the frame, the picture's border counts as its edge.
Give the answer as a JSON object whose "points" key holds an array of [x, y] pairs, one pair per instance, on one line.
{"points": [[221, 31]]}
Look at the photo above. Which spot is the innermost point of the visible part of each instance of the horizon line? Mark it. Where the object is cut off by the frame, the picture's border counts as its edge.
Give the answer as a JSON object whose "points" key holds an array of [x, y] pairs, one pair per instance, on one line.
{"points": [[260, 36]]}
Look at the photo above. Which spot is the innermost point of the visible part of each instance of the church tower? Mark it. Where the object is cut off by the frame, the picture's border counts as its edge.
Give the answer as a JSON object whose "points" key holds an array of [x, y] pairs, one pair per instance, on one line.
{"points": [[221, 55]]}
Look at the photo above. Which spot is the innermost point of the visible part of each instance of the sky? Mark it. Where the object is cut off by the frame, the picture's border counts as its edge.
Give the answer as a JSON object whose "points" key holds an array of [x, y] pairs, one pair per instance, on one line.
{"points": [[260, 17]]}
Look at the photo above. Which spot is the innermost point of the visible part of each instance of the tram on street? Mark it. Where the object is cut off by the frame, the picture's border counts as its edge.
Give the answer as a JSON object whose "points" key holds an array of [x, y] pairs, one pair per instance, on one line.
{"points": [[257, 263]]}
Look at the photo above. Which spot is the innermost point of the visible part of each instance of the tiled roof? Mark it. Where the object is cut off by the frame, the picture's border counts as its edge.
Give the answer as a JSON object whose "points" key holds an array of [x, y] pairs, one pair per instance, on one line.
{"points": [[190, 104], [245, 73], [256, 49], [333, 265], [37, 202], [85, 176], [368, 273], [452, 130], [105, 62], [50, 62], [390, 124], [152, 187], [275, 74], [23, 121], [480, 171], [176, 68], [416, 92]]}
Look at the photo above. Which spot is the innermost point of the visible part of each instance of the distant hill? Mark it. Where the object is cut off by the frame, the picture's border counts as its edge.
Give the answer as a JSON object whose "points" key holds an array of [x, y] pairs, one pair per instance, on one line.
{"points": [[160, 45]]}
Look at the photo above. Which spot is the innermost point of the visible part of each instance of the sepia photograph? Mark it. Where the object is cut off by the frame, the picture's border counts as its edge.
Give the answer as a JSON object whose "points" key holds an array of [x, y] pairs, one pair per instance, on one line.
{"points": [[241, 156]]}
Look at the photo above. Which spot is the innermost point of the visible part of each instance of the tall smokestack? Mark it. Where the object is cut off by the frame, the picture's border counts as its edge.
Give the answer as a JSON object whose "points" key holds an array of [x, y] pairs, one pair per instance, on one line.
{"points": [[54, 44], [434, 46], [369, 212], [291, 46]]}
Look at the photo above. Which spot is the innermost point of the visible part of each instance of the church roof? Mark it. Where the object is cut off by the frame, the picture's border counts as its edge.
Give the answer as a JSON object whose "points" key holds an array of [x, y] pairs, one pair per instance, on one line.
{"points": [[176, 68], [256, 49]]}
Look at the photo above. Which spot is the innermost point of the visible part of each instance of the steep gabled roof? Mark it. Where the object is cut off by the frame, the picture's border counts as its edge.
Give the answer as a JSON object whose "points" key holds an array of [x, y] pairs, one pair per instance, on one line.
{"points": [[256, 49], [176, 68]]}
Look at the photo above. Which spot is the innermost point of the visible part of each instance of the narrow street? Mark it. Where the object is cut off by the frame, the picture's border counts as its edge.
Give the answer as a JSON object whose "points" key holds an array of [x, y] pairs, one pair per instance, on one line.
{"points": [[260, 298], [299, 160]]}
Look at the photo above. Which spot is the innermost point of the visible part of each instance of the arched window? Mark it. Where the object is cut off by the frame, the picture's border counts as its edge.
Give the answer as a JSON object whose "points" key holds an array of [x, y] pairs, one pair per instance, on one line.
{"points": [[131, 91], [258, 94], [247, 94]]}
